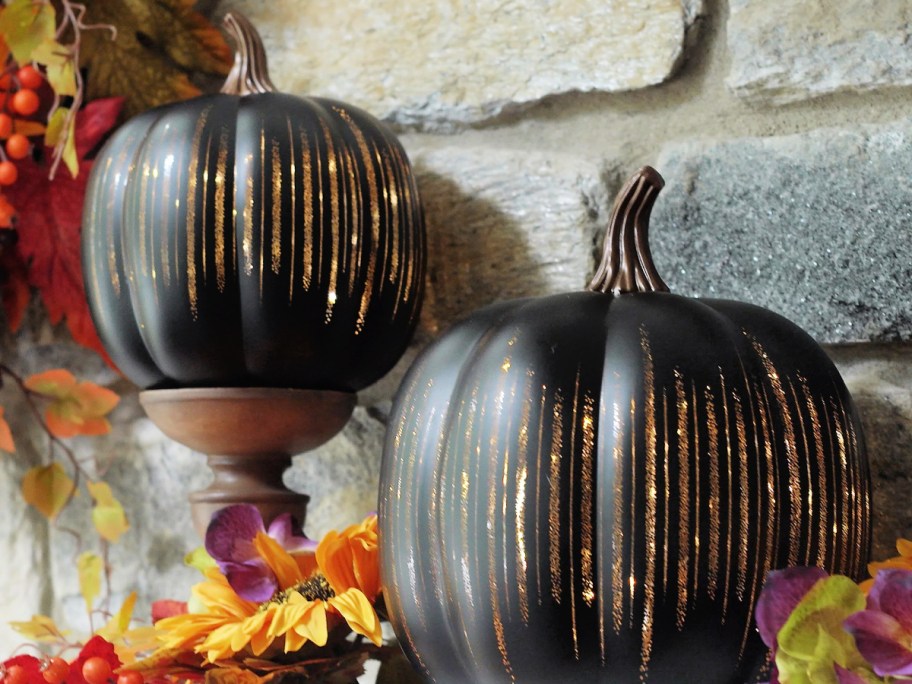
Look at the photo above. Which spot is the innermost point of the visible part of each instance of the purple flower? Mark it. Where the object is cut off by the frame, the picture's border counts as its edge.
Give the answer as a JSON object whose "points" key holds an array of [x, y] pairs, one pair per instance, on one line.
{"points": [[782, 591], [883, 631], [229, 540]]}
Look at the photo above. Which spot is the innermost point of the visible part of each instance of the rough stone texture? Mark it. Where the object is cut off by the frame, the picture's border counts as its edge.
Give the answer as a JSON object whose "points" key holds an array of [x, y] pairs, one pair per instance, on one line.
{"points": [[787, 51], [341, 477], [438, 62], [813, 226], [505, 223], [880, 380]]}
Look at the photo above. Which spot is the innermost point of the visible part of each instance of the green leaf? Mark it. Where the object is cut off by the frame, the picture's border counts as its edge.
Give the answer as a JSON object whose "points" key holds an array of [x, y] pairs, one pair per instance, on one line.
{"points": [[89, 566], [59, 128], [25, 25], [813, 639], [199, 559], [47, 488]]}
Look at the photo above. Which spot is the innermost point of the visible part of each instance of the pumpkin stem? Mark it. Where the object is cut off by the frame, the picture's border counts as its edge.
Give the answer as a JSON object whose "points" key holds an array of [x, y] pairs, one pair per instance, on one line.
{"points": [[249, 74], [626, 260]]}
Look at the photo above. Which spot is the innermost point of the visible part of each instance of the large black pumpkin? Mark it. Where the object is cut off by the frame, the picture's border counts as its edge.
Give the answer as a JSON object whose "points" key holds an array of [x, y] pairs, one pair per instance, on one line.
{"points": [[591, 487], [254, 238]]}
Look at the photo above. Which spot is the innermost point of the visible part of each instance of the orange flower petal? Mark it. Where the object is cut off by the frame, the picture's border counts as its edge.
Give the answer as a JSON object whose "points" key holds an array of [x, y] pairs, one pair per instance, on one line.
{"points": [[279, 560], [312, 624], [358, 613], [904, 546]]}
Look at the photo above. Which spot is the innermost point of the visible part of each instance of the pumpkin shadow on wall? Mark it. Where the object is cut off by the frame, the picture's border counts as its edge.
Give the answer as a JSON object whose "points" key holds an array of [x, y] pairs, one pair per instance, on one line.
{"points": [[476, 254]]}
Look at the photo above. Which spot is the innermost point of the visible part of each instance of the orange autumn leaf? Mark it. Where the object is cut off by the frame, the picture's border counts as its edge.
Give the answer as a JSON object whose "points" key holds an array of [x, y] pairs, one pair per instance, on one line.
{"points": [[47, 488], [40, 628], [6, 435], [78, 408]]}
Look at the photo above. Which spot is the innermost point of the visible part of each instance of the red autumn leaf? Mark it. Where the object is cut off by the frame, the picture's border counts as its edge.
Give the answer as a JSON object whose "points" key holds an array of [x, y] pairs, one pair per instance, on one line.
{"points": [[96, 646], [15, 292], [167, 608], [50, 223]]}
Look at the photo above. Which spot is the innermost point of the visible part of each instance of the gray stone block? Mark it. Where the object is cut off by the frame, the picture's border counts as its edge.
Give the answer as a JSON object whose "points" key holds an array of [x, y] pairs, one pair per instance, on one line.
{"points": [[814, 226]]}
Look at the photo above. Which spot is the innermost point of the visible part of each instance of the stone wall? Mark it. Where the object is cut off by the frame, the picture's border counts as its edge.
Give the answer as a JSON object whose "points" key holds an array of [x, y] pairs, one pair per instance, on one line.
{"points": [[782, 130]]}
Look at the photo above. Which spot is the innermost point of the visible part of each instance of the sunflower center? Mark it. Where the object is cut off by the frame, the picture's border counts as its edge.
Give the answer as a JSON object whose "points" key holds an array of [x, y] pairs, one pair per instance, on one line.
{"points": [[315, 588]]}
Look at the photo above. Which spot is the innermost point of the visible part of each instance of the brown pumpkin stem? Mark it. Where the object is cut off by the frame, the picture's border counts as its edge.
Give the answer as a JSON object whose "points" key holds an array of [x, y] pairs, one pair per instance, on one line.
{"points": [[626, 260], [249, 74]]}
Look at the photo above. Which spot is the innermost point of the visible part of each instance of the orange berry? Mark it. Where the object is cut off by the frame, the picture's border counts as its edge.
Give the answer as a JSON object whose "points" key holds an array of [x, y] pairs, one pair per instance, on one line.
{"points": [[96, 670], [8, 173], [17, 146], [29, 77], [56, 671], [26, 102], [6, 125], [16, 674], [130, 677]]}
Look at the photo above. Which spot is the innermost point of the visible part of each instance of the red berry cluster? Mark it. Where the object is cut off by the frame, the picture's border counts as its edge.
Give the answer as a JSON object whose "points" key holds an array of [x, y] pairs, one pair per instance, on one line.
{"points": [[23, 102], [95, 670]]}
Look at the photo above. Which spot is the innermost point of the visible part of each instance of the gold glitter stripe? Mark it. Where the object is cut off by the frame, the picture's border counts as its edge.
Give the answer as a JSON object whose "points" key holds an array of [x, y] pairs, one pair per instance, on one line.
{"points": [[697, 500], [744, 493], [586, 507], [276, 177], [729, 497], [822, 485], [554, 497], [790, 452], [617, 533], [192, 180], [571, 523], [651, 507], [806, 454], [332, 168], [714, 503], [221, 163], [293, 223], [684, 532]]}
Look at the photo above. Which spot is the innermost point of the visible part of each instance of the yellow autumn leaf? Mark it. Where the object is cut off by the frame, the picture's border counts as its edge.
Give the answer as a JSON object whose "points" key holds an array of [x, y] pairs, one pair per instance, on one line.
{"points": [[25, 25], [40, 628], [58, 127], [128, 643], [59, 66], [6, 435], [107, 514], [89, 566], [47, 488], [158, 45]]}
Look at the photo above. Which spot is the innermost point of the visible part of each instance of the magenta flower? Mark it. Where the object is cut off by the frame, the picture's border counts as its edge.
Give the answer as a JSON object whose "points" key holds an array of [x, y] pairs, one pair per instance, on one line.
{"points": [[782, 591], [883, 631], [229, 540]]}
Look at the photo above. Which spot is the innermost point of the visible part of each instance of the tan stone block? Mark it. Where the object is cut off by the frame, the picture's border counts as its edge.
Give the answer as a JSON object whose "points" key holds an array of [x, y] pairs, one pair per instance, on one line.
{"points": [[434, 63]]}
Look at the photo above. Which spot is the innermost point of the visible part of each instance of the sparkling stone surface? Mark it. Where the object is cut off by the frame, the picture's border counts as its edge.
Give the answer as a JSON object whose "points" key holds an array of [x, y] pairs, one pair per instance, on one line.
{"points": [[787, 51], [813, 226]]}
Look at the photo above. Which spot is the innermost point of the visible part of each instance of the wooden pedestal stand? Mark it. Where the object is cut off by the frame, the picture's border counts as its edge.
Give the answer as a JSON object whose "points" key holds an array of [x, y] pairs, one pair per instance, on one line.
{"points": [[249, 435]]}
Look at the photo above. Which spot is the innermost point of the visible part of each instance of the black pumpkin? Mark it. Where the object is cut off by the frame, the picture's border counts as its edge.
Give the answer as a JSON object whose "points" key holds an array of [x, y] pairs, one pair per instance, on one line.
{"points": [[253, 238], [591, 487]]}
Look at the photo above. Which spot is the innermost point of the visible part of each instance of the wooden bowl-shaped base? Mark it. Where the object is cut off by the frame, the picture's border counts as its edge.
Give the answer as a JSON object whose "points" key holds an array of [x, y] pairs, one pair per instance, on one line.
{"points": [[249, 435]]}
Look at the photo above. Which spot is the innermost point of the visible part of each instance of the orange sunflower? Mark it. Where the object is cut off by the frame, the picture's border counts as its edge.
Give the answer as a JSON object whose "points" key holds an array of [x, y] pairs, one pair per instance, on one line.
{"points": [[903, 560], [316, 593]]}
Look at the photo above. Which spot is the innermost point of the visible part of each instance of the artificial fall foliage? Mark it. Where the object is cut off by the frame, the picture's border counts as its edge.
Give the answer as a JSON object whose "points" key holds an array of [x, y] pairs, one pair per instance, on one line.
{"points": [[132, 55], [159, 44]]}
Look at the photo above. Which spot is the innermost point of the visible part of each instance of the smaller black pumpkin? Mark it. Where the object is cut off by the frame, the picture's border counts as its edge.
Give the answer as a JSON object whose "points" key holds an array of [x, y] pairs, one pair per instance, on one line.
{"points": [[591, 486], [253, 238]]}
